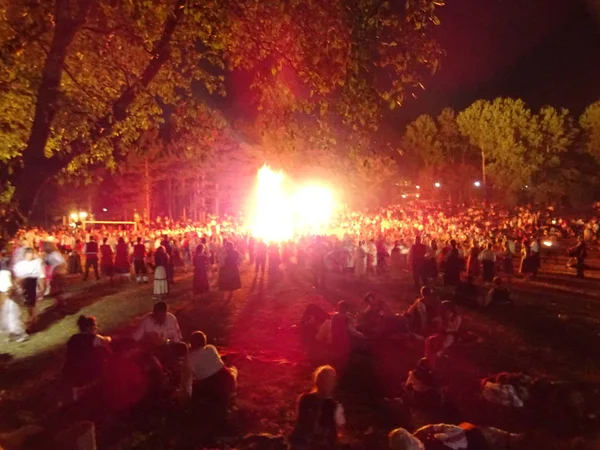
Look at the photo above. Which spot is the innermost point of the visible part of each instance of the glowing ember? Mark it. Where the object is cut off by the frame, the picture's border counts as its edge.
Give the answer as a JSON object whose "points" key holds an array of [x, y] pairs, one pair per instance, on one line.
{"points": [[279, 215]]}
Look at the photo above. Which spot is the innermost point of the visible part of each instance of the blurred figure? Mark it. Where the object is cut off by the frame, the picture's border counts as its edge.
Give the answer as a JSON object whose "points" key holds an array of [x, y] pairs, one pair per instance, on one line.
{"points": [[201, 285]]}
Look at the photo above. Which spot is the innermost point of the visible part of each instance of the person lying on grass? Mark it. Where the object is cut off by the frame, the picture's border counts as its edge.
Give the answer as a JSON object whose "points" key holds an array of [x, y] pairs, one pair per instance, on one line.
{"points": [[320, 417], [465, 436], [211, 381]]}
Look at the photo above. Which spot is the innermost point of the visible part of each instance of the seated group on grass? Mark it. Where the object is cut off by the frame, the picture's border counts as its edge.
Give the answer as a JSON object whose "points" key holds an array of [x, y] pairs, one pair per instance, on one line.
{"points": [[320, 421], [152, 367]]}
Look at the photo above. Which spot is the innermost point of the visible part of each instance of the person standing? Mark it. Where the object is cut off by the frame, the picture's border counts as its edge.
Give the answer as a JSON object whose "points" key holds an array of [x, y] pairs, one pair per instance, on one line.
{"points": [[31, 274], [580, 253], [416, 260], [535, 256], [139, 261], [488, 263], [260, 257], [161, 281], [166, 244], [453, 266], [90, 250], [507, 262], [122, 266], [229, 272], [57, 268], [200, 261], [106, 259]]}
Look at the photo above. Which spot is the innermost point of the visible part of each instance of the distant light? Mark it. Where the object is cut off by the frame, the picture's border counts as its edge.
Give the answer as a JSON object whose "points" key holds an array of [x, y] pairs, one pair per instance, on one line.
{"points": [[547, 243], [526, 187], [417, 195], [477, 184], [437, 184], [403, 195], [74, 216], [553, 221], [104, 209], [397, 184], [418, 187], [83, 215]]}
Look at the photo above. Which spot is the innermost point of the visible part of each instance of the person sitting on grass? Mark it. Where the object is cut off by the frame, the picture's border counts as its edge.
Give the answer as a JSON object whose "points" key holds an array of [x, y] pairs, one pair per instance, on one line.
{"points": [[436, 345], [320, 417], [423, 384], [212, 381], [131, 377], [87, 352], [343, 335], [424, 315], [467, 293], [158, 327], [499, 294]]}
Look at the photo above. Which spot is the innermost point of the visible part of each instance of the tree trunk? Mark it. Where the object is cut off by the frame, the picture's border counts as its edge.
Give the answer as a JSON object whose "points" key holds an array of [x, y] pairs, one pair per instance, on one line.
{"points": [[170, 198], [483, 180], [36, 168], [69, 16], [184, 201], [147, 214]]}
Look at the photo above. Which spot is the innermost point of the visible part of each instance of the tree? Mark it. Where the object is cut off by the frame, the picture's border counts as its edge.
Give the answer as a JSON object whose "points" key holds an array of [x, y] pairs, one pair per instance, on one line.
{"points": [[525, 154], [502, 130], [590, 124], [81, 79], [436, 151]]}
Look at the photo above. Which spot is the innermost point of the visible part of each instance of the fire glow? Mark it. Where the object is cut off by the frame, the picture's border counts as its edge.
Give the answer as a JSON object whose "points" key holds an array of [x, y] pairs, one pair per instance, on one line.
{"points": [[279, 214]]}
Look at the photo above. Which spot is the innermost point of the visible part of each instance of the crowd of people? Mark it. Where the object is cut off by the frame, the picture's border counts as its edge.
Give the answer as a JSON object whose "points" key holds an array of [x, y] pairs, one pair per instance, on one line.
{"points": [[454, 247]]}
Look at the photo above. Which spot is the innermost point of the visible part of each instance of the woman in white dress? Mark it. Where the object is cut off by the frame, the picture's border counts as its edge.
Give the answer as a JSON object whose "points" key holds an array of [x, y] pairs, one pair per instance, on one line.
{"points": [[10, 313], [161, 283]]}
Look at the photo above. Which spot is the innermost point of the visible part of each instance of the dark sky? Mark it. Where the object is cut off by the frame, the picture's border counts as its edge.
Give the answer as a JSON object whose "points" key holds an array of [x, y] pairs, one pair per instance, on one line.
{"points": [[543, 51]]}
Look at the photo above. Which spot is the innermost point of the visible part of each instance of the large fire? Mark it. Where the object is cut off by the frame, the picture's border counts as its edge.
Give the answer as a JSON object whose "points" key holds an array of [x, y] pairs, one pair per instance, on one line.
{"points": [[279, 214]]}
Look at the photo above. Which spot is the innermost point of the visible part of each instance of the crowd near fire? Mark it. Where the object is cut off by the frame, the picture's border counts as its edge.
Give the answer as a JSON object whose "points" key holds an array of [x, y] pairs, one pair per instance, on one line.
{"points": [[455, 256], [299, 225]]}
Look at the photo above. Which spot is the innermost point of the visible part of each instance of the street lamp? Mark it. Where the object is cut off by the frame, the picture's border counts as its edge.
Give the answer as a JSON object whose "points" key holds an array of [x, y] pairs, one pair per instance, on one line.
{"points": [[83, 215], [437, 184], [477, 184], [74, 217]]}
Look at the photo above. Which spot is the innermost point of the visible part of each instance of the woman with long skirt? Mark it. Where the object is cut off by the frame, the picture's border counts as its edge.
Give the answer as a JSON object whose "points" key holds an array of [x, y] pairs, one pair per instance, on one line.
{"points": [[201, 284], [122, 265], [161, 283], [229, 272]]}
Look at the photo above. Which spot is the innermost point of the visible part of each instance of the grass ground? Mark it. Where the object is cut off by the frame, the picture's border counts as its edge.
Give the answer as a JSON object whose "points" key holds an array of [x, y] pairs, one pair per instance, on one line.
{"points": [[554, 330]]}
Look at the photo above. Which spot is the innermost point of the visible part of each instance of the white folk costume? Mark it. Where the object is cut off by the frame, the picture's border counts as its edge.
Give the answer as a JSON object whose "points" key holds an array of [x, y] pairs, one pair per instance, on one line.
{"points": [[10, 313], [360, 261]]}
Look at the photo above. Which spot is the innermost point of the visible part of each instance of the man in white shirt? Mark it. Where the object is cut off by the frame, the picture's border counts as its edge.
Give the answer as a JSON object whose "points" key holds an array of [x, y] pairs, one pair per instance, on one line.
{"points": [[158, 327], [30, 272]]}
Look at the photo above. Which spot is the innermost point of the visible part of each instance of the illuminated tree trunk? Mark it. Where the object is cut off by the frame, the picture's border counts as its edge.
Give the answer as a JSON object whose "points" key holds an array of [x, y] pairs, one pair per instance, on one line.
{"points": [[147, 213], [69, 17]]}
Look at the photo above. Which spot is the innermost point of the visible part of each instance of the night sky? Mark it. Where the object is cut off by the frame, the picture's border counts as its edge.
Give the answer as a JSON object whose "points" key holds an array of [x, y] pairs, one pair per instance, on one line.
{"points": [[543, 51]]}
